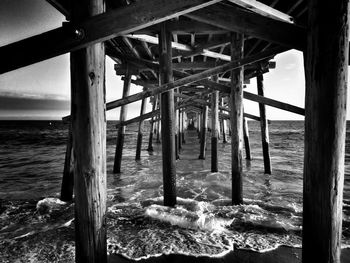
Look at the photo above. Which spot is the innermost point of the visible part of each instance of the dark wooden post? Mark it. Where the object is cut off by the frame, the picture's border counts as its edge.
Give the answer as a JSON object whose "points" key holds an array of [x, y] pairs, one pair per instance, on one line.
{"points": [[326, 73], [150, 140], [180, 130], [214, 130], [167, 118], [140, 130], [246, 139], [158, 123], [236, 118], [176, 124], [263, 122], [199, 128], [223, 122], [121, 131], [68, 173], [89, 141], [183, 127], [203, 133]]}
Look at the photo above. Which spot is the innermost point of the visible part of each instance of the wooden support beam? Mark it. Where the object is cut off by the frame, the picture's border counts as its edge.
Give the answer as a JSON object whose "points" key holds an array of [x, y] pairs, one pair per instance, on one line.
{"points": [[89, 140], [176, 126], [183, 127], [80, 34], [68, 173], [246, 22], [140, 131], [183, 26], [199, 77], [167, 120], [214, 130], [263, 124], [246, 139], [223, 123], [181, 47], [236, 114], [121, 131], [262, 9], [326, 72], [203, 141], [150, 140]]}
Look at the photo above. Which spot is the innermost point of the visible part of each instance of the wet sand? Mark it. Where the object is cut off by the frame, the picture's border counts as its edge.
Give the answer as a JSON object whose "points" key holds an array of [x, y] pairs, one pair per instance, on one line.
{"points": [[283, 254]]}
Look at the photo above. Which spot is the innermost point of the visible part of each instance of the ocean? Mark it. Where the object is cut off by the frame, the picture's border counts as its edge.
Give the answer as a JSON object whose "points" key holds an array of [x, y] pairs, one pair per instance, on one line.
{"points": [[35, 226]]}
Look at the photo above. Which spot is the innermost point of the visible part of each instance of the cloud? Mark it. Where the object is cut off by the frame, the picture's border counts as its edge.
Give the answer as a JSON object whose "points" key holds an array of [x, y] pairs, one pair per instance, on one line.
{"points": [[32, 103]]}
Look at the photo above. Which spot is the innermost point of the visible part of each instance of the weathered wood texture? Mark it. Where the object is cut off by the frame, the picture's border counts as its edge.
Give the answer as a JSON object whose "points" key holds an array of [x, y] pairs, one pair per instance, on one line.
{"points": [[121, 130], [150, 139], [203, 133], [223, 124], [167, 118], [264, 125], [214, 130], [236, 120], [80, 34], [246, 139], [140, 130], [246, 22], [89, 142], [177, 130], [326, 73], [68, 173]]}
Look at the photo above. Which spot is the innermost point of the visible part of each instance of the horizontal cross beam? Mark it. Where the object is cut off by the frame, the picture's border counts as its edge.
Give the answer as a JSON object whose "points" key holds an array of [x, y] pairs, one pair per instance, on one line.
{"points": [[98, 28]]}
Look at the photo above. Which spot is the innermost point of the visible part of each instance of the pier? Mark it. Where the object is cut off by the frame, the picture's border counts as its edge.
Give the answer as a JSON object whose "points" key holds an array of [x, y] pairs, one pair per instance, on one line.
{"points": [[192, 58]]}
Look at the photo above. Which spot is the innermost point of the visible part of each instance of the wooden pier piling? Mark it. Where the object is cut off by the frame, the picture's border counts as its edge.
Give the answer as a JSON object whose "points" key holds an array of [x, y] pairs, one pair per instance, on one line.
{"points": [[167, 117], [89, 142], [151, 130], [121, 131], [326, 73], [236, 118], [183, 127], [214, 130], [68, 173], [140, 131], [203, 133], [246, 139], [263, 122]]}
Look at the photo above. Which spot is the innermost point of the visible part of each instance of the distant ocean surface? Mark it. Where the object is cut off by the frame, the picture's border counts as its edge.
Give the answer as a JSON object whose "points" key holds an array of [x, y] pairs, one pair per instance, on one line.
{"points": [[36, 227]]}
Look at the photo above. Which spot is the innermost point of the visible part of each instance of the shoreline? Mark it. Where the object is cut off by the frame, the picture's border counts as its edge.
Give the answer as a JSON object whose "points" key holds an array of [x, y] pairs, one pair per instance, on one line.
{"points": [[282, 254]]}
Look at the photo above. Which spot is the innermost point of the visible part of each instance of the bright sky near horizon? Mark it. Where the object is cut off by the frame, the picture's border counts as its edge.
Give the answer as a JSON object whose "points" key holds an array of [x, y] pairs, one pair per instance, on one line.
{"points": [[42, 90]]}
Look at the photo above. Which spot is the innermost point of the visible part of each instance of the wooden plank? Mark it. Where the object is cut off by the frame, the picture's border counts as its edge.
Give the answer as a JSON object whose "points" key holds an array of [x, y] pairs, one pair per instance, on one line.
{"points": [[263, 124], [95, 29], [140, 131], [167, 118], [326, 72], [179, 46], [236, 119], [89, 143], [245, 22], [274, 103], [223, 123], [262, 9], [121, 131], [183, 26]]}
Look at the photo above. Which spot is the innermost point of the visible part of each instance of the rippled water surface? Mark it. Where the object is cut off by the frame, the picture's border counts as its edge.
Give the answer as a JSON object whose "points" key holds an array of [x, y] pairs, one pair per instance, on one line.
{"points": [[35, 226]]}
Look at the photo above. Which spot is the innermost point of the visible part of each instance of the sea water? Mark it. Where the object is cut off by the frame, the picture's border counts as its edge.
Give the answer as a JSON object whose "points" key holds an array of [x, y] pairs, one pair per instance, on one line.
{"points": [[35, 226]]}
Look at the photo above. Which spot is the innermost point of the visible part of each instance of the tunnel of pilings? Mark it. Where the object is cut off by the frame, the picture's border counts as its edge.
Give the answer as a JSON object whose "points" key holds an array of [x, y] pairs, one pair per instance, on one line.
{"points": [[192, 58]]}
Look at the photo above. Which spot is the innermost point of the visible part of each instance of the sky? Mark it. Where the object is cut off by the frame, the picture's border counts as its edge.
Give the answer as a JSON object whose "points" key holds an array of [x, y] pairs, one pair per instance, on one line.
{"points": [[42, 90]]}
